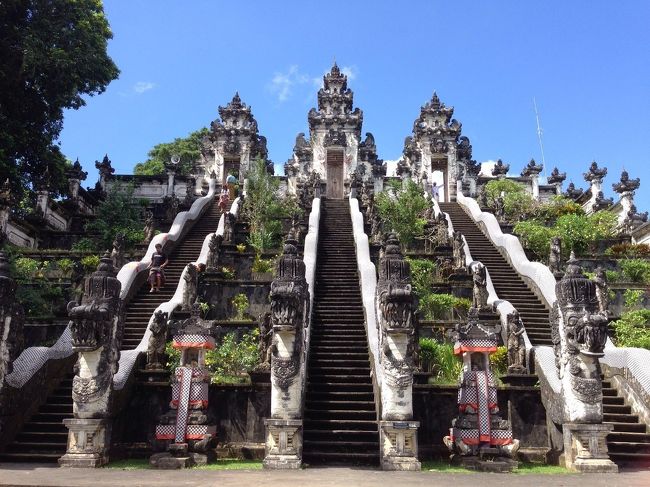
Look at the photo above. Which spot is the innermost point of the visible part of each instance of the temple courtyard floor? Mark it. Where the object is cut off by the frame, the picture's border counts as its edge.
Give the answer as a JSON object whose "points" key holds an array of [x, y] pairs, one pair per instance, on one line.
{"points": [[49, 475]]}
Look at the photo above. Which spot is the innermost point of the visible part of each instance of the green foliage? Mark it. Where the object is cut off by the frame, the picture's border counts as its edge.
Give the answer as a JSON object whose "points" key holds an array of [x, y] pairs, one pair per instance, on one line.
{"points": [[240, 303], [534, 236], [636, 270], [401, 211], [613, 276], [499, 361], [518, 206], [494, 188], [65, 266], [228, 273], [232, 359], [633, 297], [173, 357], [90, 263], [53, 55], [264, 208], [28, 269], [422, 275], [626, 249], [440, 306], [558, 206], [204, 307], [439, 358], [40, 300], [262, 265], [187, 148], [241, 248], [84, 245], [117, 214], [632, 329]]}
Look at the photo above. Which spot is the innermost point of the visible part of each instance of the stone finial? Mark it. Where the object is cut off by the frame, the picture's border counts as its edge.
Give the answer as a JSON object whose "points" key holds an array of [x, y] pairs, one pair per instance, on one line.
{"points": [[500, 169], [105, 167], [602, 203], [595, 173], [76, 171], [626, 185], [532, 169], [572, 192], [556, 176], [464, 149]]}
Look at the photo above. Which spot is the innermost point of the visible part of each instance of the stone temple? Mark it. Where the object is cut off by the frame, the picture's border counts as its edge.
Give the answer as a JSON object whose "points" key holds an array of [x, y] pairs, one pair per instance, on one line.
{"points": [[328, 296]]}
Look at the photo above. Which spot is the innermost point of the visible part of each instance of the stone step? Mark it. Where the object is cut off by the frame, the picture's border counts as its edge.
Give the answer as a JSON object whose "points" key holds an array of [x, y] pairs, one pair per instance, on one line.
{"points": [[341, 405], [628, 437], [340, 424], [620, 418], [343, 446], [628, 447], [627, 427], [34, 457], [341, 414]]}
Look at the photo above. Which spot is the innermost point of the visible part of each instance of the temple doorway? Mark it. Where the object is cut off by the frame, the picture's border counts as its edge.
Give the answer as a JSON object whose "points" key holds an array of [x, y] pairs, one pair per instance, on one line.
{"points": [[230, 166], [334, 167]]}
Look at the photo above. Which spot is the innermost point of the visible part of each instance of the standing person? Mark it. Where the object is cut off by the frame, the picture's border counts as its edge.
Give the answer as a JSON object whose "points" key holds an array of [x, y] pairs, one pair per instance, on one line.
{"points": [[224, 199], [156, 269], [231, 181], [435, 191]]}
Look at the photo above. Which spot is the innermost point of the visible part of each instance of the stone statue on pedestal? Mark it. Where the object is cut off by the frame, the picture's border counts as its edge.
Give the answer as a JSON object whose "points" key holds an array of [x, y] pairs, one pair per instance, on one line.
{"points": [[149, 227], [480, 292], [555, 255], [157, 341], [516, 344]]}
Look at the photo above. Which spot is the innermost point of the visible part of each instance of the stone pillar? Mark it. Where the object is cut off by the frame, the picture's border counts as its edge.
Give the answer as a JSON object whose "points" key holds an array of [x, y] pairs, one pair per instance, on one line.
{"points": [[171, 167], [289, 317], [395, 310], [556, 179], [75, 175], [626, 188], [105, 169], [585, 448], [531, 171], [94, 327], [594, 176]]}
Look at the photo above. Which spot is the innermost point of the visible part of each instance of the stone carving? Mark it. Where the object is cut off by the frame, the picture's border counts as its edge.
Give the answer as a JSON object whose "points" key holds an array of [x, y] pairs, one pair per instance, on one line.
{"points": [[191, 278], [117, 254], [602, 290], [394, 301], [516, 344], [288, 318], [626, 185], [633, 220], [556, 177], [480, 292], [579, 335], [500, 169], [171, 207], [188, 428], [228, 227], [12, 320], [499, 209], [266, 342], [458, 251], [478, 434], [213, 250], [595, 174], [334, 138], [149, 227], [157, 340], [532, 169], [602, 203], [555, 255], [96, 336], [442, 230], [572, 192], [464, 149]]}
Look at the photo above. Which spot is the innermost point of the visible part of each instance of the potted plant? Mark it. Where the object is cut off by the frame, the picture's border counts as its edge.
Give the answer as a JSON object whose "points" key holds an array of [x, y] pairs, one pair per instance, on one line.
{"points": [[240, 304]]}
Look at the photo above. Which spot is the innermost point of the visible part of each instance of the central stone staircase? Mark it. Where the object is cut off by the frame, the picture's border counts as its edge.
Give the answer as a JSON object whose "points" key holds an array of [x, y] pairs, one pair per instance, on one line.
{"points": [[44, 437], [507, 282], [340, 420]]}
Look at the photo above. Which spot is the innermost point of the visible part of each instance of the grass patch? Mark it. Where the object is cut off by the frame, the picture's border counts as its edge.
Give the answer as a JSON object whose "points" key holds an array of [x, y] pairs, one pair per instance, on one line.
{"points": [[221, 464], [443, 466]]}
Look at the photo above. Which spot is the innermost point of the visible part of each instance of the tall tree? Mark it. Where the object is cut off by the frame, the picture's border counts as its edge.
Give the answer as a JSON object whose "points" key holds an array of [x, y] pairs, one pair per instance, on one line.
{"points": [[187, 148], [52, 52]]}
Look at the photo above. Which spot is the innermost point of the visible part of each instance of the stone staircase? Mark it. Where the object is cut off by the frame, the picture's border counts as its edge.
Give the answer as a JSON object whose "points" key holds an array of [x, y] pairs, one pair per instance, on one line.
{"points": [[143, 304], [44, 438], [507, 282], [340, 419], [629, 443]]}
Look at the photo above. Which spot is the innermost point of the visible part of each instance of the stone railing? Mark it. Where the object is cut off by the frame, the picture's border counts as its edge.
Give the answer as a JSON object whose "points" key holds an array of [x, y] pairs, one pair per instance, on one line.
{"points": [[33, 358]]}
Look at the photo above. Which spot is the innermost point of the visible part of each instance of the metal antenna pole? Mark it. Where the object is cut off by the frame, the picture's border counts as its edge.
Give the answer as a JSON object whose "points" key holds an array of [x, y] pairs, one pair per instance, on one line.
{"points": [[539, 135]]}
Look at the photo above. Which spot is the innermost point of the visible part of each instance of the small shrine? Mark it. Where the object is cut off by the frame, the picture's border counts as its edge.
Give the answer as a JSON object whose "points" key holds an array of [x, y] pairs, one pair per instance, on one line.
{"points": [[478, 438], [187, 426]]}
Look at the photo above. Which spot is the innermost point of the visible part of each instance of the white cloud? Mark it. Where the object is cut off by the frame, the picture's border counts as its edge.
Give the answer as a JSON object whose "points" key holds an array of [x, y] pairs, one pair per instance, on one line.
{"points": [[350, 71], [282, 84], [486, 168], [142, 86]]}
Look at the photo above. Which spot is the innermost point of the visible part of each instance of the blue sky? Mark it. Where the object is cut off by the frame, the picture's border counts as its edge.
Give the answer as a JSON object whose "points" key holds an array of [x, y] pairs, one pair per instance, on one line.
{"points": [[587, 63]]}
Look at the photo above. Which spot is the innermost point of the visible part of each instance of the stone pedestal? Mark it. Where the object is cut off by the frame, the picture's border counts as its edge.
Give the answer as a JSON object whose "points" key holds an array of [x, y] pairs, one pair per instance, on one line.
{"points": [[398, 442], [283, 444], [88, 443], [585, 448]]}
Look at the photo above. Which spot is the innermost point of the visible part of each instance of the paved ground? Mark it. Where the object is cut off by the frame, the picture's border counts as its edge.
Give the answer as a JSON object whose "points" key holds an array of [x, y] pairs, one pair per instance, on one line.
{"points": [[31, 475]]}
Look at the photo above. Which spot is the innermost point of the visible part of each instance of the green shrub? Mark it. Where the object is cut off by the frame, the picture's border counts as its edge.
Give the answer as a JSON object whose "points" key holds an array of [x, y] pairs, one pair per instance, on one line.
{"points": [[535, 236], [240, 303], [84, 245], [633, 297], [401, 212], [230, 360], [494, 188], [613, 276], [558, 206], [90, 262], [440, 306], [518, 206], [499, 361], [262, 265], [65, 266], [422, 275], [228, 273], [626, 249], [446, 366], [632, 329], [28, 269], [173, 357], [41, 300], [636, 270], [427, 353]]}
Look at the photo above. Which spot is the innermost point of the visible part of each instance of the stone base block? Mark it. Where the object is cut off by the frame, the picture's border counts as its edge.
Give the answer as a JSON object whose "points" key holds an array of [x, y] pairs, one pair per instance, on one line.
{"points": [[585, 448], [493, 464], [398, 442], [283, 450], [88, 443]]}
